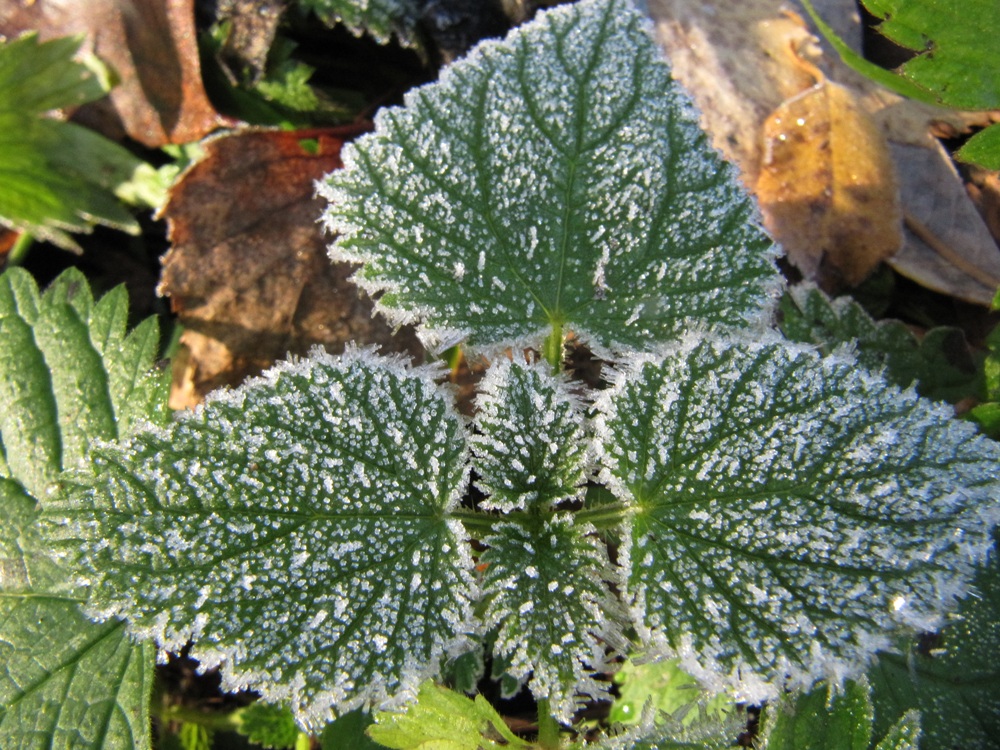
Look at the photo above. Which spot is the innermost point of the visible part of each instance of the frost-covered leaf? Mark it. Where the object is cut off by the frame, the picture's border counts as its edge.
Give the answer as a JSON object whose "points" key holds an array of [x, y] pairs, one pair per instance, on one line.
{"points": [[554, 180], [904, 734], [442, 719], [56, 177], [547, 593], [823, 719], [297, 529], [787, 510], [530, 449], [940, 363], [381, 19], [68, 371], [954, 680]]}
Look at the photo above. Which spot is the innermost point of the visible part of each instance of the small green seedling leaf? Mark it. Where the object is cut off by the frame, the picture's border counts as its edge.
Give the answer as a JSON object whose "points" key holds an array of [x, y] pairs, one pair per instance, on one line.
{"points": [[442, 719], [69, 374], [349, 731], [297, 529], [668, 689], [57, 177], [547, 593], [380, 19], [530, 450], [824, 720], [268, 725], [555, 181], [787, 511], [940, 364], [954, 679]]}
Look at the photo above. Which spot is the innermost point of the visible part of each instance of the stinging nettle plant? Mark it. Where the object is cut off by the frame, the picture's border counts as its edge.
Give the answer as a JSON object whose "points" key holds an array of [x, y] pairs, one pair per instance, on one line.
{"points": [[765, 514]]}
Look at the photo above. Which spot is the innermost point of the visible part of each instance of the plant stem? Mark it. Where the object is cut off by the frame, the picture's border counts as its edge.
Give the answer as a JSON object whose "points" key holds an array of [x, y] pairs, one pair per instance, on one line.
{"points": [[553, 347], [603, 517], [20, 249], [476, 522], [548, 727]]}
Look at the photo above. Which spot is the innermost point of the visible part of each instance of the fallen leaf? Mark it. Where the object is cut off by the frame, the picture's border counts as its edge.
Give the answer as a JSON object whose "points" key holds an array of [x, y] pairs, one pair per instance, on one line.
{"points": [[827, 188], [152, 47], [248, 273], [733, 58]]}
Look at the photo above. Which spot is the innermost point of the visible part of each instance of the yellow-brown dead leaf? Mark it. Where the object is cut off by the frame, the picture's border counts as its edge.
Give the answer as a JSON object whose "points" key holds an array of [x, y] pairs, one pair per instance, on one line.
{"points": [[826, 187]]}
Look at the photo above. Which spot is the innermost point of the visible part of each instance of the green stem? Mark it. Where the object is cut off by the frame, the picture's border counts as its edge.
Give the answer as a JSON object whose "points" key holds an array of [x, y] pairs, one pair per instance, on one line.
{"points": [[476, 522], [548, 727], [210, 720], [604, 517], [552, 350], [20, 249]]}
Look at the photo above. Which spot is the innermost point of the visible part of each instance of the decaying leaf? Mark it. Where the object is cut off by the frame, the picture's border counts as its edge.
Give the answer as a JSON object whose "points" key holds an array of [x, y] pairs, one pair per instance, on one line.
{"points": [[150, 44], [827, 187], [248, 272], [734, 58]]}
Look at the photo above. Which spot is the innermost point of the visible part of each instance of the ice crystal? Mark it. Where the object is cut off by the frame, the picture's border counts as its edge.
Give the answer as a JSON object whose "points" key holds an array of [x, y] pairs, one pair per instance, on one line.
{"points": [[546, 588], [296, 528], [788, 510], [530, 451], [556, 178]]}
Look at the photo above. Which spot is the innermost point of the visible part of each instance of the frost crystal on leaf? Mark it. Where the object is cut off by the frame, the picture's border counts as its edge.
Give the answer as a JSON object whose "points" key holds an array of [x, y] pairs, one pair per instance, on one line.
{"points": [[378, 18], [296, 528], [788, 510], [530, 451], [556, 178], [545, 588]]}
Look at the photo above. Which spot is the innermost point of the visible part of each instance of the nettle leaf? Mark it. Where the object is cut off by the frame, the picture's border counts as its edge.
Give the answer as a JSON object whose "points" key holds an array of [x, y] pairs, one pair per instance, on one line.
{"points": [[952, 679], [546, 592], [787, 510], [296, 529], [531, 451], [556, 179], [68, 373], [823, 719], [57, 177], [441, 719], [381, 19], [940, 364]]}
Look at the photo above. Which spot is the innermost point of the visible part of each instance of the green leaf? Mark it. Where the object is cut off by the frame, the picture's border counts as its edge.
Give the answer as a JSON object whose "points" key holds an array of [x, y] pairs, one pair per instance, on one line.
{"points": [[904, 734], [268, 725], [530, 450], [67, 372], [956, 46], [57, 177], [442, 719], [940, 363], [297, 529], [786, 510], [955, 683], [380, 19], [983, 148], [667, 688], [195, 737], [555, 180], [349, 731], [824, 719], [546, 591]]}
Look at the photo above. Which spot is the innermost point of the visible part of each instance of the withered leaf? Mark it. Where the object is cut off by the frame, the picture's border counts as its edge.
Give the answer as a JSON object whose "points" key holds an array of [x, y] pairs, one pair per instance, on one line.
{"points": [[152, 47], [827, 188], [248, 267]]}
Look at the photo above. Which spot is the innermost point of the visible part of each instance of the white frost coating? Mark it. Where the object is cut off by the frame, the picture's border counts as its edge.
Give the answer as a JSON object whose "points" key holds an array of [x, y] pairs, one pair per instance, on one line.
{"points": [[381, 19], [530, 447], [360, 581], [558, 639], [511, 207], [871, 512]]}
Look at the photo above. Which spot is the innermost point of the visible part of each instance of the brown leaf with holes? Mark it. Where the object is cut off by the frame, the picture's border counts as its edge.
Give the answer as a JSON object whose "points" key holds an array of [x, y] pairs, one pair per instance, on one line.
{"points": [[826, 187], [248, 272], [151, 46]]}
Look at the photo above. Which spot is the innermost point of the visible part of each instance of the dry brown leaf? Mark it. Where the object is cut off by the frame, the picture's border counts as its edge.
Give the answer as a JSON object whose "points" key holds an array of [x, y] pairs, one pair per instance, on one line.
{"points": [[826, 186], [152, 47], [733, 57], [248, 272]]}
